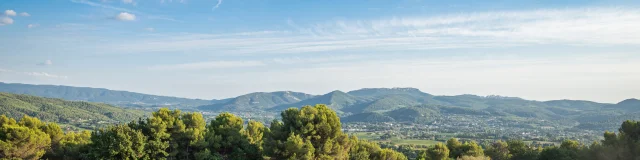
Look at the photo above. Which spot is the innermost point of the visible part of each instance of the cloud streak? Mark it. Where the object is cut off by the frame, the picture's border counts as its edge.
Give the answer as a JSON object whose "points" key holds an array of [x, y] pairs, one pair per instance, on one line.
{"points": [[578, 26], [217, 5], [209, 65], [34, 74], [143, 14]]}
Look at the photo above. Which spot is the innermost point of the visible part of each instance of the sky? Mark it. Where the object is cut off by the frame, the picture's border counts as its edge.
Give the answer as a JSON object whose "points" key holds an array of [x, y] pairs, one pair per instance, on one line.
{"points": [[213, 49]]}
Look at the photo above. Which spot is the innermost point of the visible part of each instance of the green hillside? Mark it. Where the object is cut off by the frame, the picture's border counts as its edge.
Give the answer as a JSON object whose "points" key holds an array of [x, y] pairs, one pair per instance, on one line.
{"points": [[336, 100], [258, 101], [76, 113], [124, 98], [382, 92], [385, 103]]}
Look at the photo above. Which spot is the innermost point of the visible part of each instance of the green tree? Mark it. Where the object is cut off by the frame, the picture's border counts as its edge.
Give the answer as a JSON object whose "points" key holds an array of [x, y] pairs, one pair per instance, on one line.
{"points": [[319, 125], [188, 136], [74, 145], [389, 154], [117, 142], [436, 152], [158, 128], [255, 134], [472, 149], [498, 151], [225, 136], [23, 140], [455, 148], [521, 151], [362, 149]]}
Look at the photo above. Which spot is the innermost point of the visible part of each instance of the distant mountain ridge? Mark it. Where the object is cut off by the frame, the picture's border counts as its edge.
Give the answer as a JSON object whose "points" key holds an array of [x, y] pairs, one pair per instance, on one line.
{"points": [[376, 104], [100, 95], [258, 101]]}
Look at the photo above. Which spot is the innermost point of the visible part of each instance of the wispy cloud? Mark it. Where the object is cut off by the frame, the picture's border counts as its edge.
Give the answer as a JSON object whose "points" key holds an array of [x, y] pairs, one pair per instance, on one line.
{"points": [[44, 74], [46, 63], [35, 74], [574, 26], [208, 65], [217, 5], [143, 14], [94, 4], [32, 25]]}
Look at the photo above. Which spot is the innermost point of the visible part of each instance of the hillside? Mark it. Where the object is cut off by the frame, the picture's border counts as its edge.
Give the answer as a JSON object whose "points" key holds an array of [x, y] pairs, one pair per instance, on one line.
{"points": [[77, 113], [101, 95], [258, 101], [336, 100], [382, 92]]}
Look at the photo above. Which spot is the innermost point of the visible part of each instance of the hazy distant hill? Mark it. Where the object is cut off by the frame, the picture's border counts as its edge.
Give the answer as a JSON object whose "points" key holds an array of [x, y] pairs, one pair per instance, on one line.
{"points": [[575, 104], [100, 95], [630, 105], [376, 104], [258, 101], [336, 100], [381, 92], [77, 113]]}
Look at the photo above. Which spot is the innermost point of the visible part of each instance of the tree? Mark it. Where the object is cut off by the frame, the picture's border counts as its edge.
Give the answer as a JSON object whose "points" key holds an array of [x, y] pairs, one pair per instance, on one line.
{"points": [[23, 140], [188, 136], [498, 151], [472, 149], [74, 145], [225, 136], [255, 133], [568, 150], [319, 125], [455, 148], [436, 152], [388, 154], [118, 142], [519, 150], [362, 149], [158, 129]]}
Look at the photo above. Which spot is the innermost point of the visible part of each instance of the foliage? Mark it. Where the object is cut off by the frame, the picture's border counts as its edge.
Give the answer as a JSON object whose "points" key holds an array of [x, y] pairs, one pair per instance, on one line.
{"points": [[22, 140], [80, 114], [312, 133], [437, 152]]}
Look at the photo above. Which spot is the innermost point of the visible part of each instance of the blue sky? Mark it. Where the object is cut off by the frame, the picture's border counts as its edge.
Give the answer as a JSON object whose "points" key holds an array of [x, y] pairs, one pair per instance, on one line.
{"points": [[209, 49]]}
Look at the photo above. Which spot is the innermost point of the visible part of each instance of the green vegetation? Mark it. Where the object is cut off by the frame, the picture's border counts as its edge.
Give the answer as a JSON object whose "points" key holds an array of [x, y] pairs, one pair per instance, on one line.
{"points": [[76, 113], [307, 133], [257, 101], [121, 98]]}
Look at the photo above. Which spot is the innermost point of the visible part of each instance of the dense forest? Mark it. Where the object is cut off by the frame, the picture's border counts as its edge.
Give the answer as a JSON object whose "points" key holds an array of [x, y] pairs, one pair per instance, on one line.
{"points": [[72, 115], [312, 132]]}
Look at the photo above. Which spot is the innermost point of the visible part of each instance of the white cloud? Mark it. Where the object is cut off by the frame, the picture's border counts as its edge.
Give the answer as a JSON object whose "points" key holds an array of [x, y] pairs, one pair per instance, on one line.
{"points": [[44, 74], [150, 29], [10, 13], [32, 25], [25, 14], [124, 16], [5, 21], [577, 26], [209, 65], [217, 5], [46, 63], [35, 74], [129, 2]]}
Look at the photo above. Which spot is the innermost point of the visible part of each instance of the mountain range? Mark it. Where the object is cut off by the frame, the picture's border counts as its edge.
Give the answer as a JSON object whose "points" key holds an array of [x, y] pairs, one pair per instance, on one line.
{"points": [[367, 105]]}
